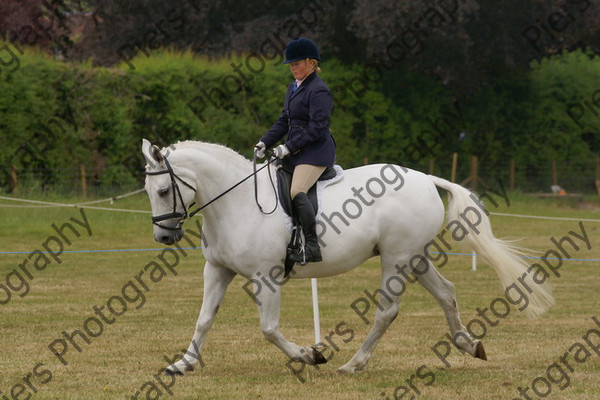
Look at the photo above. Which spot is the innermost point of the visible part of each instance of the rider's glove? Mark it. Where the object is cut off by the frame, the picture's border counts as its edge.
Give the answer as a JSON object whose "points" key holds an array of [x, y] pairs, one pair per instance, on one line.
{"points": [[281, 151], [260, 149]]}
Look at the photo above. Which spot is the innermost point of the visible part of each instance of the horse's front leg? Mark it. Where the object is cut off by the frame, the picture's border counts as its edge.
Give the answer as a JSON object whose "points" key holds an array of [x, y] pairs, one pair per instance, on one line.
{"points": [[216, 280], [269, 302]]}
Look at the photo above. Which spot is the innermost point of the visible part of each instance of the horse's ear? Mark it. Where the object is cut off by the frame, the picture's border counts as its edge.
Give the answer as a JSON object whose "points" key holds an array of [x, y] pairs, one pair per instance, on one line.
{"points": [[157, 154], [151, 153]]}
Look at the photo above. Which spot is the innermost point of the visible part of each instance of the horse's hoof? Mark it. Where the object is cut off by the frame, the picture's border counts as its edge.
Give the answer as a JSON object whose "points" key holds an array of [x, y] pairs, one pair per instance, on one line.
{"points": [[480, 351], [318, 357], [343, 370], [171, 372]]}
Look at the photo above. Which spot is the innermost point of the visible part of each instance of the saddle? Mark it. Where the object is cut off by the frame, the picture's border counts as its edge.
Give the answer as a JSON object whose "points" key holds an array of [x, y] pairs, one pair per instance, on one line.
{"points": [[285, 169]]}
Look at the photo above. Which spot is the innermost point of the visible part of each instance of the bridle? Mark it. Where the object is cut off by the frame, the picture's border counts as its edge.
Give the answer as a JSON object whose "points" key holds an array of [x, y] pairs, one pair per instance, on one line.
{"points": [[177, 194]]}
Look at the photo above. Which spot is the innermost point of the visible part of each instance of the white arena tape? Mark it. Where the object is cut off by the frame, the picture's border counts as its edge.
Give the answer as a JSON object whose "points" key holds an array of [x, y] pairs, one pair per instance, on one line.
{"points": [[543, 217], [44, 204], [81, 206]]}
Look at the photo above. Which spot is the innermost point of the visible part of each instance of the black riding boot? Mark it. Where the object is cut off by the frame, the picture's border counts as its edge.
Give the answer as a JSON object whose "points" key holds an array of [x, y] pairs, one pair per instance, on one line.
{"points": [[306, 216]]}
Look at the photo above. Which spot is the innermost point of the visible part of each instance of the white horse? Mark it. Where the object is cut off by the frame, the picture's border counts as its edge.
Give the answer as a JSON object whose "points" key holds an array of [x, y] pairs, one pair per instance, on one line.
{"points": [[375, 210]]}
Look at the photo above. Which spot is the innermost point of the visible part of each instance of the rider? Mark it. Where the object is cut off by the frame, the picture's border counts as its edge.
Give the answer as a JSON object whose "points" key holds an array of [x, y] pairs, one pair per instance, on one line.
{"points": [[309, 144]]}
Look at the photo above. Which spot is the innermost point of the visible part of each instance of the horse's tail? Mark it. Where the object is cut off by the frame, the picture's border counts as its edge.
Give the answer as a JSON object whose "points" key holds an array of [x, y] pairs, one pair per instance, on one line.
{"points": [[504, 258]]}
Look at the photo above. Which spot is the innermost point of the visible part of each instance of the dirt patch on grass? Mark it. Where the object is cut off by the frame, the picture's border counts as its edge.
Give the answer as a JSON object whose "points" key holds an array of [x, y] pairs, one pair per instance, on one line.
{"points": [[588, 206]]}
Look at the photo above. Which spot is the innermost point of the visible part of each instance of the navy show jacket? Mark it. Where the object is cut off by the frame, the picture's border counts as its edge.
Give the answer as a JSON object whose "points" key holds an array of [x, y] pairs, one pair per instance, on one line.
{"points": [[305, 119]]}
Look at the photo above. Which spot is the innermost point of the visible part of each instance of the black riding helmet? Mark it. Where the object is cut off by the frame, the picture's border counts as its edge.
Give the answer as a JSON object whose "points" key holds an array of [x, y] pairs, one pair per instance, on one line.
{"points": [[299, 49]]}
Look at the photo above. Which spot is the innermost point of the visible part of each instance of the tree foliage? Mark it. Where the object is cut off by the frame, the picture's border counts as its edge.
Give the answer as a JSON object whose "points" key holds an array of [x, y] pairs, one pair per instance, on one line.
{"points": [[465, 43], [57, 116], [412, 80]]}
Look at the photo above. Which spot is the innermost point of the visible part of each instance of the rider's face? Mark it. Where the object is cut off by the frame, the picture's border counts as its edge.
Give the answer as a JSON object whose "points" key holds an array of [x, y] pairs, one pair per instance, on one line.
{"points": [[301, 69]]}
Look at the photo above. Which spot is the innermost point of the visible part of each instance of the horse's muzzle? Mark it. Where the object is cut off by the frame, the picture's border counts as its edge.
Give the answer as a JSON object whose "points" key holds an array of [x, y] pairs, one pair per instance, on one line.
{"points": [[168, 237]]}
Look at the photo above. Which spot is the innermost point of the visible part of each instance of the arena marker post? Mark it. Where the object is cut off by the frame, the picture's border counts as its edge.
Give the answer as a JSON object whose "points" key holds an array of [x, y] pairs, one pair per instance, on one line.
{"points": [[315, 299]]}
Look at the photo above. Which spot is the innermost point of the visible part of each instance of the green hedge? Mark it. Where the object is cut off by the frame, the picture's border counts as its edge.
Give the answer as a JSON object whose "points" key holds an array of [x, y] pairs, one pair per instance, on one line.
{"points": [[56, 116]]}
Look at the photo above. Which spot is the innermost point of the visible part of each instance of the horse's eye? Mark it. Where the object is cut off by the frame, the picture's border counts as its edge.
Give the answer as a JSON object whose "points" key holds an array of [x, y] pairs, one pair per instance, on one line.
{"points": [[163, 192]]}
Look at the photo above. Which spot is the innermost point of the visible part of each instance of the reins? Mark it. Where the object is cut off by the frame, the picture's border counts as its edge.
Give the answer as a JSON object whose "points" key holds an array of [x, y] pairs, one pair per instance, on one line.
{"points": [[177, 193], [255, 171], [271, 159]]}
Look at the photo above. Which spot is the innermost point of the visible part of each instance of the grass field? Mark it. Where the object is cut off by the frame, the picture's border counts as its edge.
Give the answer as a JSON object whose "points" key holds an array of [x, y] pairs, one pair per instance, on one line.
{"points": [[126, 353]]}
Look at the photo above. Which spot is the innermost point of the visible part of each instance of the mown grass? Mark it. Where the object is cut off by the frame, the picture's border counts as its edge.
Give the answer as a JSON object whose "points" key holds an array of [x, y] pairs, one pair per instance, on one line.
{"points": [[239, 363]]}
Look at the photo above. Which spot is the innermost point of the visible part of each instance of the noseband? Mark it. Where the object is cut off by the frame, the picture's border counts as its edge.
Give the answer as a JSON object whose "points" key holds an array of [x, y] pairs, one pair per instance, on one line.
{"points": [[182, 216]]}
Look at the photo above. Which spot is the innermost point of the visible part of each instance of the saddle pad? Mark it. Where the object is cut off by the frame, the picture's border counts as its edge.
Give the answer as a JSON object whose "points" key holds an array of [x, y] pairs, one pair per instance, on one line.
{"points": [[314, 194]]}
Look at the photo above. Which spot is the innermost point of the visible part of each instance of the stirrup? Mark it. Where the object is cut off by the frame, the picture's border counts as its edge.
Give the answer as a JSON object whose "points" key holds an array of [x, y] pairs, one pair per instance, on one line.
{"points": [[300, 258]]}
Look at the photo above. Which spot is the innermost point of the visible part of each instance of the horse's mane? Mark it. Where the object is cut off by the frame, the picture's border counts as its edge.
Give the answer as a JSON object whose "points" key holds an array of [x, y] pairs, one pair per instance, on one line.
{"points": [[214, 149], [203, 145]]}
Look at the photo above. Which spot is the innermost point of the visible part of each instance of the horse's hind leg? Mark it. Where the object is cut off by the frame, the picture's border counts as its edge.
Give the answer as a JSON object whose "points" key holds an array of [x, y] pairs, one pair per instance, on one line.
{"points": [[216, 281], [443, 291], [387, 310]]}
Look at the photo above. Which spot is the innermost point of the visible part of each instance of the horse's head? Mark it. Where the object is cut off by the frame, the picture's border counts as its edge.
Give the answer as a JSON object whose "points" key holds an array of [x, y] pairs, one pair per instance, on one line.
{"points": [[170, 191]]}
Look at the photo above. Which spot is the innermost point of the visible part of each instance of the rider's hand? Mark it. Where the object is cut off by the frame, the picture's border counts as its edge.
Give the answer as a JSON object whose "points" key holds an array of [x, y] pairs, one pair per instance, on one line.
{"points": [[260, 149], [281, 151]]}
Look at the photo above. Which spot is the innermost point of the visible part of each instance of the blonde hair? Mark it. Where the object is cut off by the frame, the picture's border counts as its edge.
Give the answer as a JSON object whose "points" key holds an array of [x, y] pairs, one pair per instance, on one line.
{"points": [[315, 64]]}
